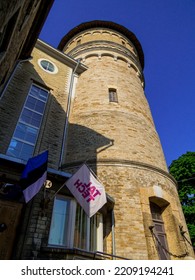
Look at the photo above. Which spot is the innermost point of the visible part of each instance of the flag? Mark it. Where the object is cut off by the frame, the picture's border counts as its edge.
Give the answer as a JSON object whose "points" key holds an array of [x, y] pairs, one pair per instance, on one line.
{"points": [[88, 192], [34, 175]]}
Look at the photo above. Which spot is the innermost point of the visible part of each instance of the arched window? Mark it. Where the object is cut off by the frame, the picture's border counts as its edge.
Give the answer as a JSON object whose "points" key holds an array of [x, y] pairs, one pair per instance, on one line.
{"points": [[159, 231]]}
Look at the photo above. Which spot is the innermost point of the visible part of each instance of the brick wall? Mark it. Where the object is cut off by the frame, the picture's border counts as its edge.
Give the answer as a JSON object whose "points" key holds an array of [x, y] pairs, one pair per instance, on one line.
{"points": [[51, 132]]}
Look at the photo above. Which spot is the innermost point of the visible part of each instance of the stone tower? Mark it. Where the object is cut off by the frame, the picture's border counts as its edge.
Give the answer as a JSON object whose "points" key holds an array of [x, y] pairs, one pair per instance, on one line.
{"points": [[111, 128]]}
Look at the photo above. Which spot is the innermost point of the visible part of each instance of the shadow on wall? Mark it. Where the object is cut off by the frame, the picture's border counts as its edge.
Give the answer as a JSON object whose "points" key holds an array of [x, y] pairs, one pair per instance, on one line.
{"points": [[83, 145]]}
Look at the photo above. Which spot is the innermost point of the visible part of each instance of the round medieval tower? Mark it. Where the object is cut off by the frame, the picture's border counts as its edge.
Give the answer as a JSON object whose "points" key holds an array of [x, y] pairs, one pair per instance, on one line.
{"points": [[111, 128]]}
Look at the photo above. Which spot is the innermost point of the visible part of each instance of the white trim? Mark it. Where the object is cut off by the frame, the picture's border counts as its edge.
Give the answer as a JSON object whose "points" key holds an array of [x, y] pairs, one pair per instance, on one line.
{"points": [[100, 233], [71, 223]]}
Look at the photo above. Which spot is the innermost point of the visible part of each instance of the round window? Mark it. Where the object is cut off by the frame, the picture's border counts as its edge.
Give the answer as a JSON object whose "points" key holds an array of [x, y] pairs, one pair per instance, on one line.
{"points": [[48, 66]]}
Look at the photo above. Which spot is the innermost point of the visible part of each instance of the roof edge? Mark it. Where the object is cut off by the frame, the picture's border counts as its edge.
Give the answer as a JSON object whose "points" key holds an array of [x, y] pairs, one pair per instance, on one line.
{"points": [[105, 24], [60, 56]]}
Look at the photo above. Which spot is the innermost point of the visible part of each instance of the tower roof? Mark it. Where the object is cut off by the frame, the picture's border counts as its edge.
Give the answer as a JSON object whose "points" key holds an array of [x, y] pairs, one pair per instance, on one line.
{"points": [[104, 24]]}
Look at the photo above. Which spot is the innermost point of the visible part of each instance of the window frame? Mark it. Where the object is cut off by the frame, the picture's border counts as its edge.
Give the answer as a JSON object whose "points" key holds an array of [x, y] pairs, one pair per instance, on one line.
{"points": [[113, 96], [71, 228], [71, 218], [47, 69], [28, 125]]}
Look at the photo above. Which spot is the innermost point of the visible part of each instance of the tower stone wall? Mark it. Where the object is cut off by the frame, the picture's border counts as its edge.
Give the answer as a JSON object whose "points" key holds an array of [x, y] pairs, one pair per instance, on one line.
{"points": [[119, 141]]}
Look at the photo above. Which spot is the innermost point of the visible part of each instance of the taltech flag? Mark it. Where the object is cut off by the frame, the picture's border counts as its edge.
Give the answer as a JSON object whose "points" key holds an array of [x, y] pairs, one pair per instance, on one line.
{"points": [[34, 175], [88, 192]]}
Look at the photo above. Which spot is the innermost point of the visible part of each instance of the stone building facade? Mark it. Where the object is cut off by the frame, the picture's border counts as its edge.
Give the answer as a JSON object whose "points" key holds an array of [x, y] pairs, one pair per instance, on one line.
{"points": [[22, 101], [96, 112], [20, 24]]}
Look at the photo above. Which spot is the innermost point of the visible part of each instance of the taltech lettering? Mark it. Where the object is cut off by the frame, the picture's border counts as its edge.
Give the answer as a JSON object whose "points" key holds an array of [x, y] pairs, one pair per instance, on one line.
{"points": [[87, 191]]}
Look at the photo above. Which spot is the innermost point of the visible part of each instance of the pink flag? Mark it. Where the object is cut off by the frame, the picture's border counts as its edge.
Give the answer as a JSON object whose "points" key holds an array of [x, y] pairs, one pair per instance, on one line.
{"points": [[88, 192]]}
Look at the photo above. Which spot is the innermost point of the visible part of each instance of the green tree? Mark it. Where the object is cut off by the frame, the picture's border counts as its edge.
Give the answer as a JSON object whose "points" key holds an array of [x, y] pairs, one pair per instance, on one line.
{"points": [[183, 170]]}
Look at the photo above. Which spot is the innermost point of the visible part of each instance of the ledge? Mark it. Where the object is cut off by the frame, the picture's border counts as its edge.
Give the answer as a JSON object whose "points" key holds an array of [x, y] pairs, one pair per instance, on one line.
{"points": [[115, 162]]}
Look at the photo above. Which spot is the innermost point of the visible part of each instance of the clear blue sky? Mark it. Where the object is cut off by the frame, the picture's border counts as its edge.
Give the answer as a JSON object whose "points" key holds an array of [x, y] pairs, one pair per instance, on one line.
{"points": [[166, 31]]}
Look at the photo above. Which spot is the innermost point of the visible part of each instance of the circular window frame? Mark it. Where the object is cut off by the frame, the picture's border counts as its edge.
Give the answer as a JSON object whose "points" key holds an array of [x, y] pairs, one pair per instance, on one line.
{"points": [[46, 70]]}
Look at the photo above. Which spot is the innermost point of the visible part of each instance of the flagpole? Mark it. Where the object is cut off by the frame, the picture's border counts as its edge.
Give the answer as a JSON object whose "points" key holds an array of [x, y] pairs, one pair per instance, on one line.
{"points": [[63, 185], [58, 190]]}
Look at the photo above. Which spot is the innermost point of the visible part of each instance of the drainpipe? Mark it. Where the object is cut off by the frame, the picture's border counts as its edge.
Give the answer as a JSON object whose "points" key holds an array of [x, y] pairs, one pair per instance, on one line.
{"points": [[13, 73], [67, 114], [113, 234]]}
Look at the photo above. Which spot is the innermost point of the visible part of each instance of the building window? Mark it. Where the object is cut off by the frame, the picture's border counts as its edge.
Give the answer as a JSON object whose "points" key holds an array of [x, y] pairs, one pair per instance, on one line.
{"points": [[61, 224], [71, 227], [88, 233], [112, 95], [159, 231], [25, 135], [48, 66]]}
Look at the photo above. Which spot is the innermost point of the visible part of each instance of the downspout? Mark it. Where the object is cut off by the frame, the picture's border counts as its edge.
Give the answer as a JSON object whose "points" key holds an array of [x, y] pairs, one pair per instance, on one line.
{"points": [[67, 114], [13, 73], [113, 234]]}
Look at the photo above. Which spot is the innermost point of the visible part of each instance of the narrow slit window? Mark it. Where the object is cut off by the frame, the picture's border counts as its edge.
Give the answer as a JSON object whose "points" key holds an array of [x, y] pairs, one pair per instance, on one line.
{"points": [[113, 95]]}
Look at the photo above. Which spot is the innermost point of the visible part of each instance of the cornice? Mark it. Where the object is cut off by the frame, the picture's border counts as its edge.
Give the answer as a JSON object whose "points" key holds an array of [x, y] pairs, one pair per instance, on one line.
{"points": [[104, 24], [121, 162], [100, 45]]}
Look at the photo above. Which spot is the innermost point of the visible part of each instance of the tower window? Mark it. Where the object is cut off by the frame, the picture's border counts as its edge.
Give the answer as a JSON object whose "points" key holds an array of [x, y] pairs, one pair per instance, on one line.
{"points": [[113, 95]]}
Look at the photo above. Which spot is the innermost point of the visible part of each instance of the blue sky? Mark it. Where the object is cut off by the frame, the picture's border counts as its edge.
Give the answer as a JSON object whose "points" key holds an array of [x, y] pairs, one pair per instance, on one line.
{"points": [[166, 31]]}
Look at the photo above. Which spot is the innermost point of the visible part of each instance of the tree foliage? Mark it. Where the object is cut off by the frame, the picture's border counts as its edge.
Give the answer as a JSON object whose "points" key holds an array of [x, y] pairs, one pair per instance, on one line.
{"points": [[183, 170]]}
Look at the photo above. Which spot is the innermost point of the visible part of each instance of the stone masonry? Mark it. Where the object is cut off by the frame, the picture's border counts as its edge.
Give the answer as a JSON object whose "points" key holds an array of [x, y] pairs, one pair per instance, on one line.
{"points": [[118, 139]]}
